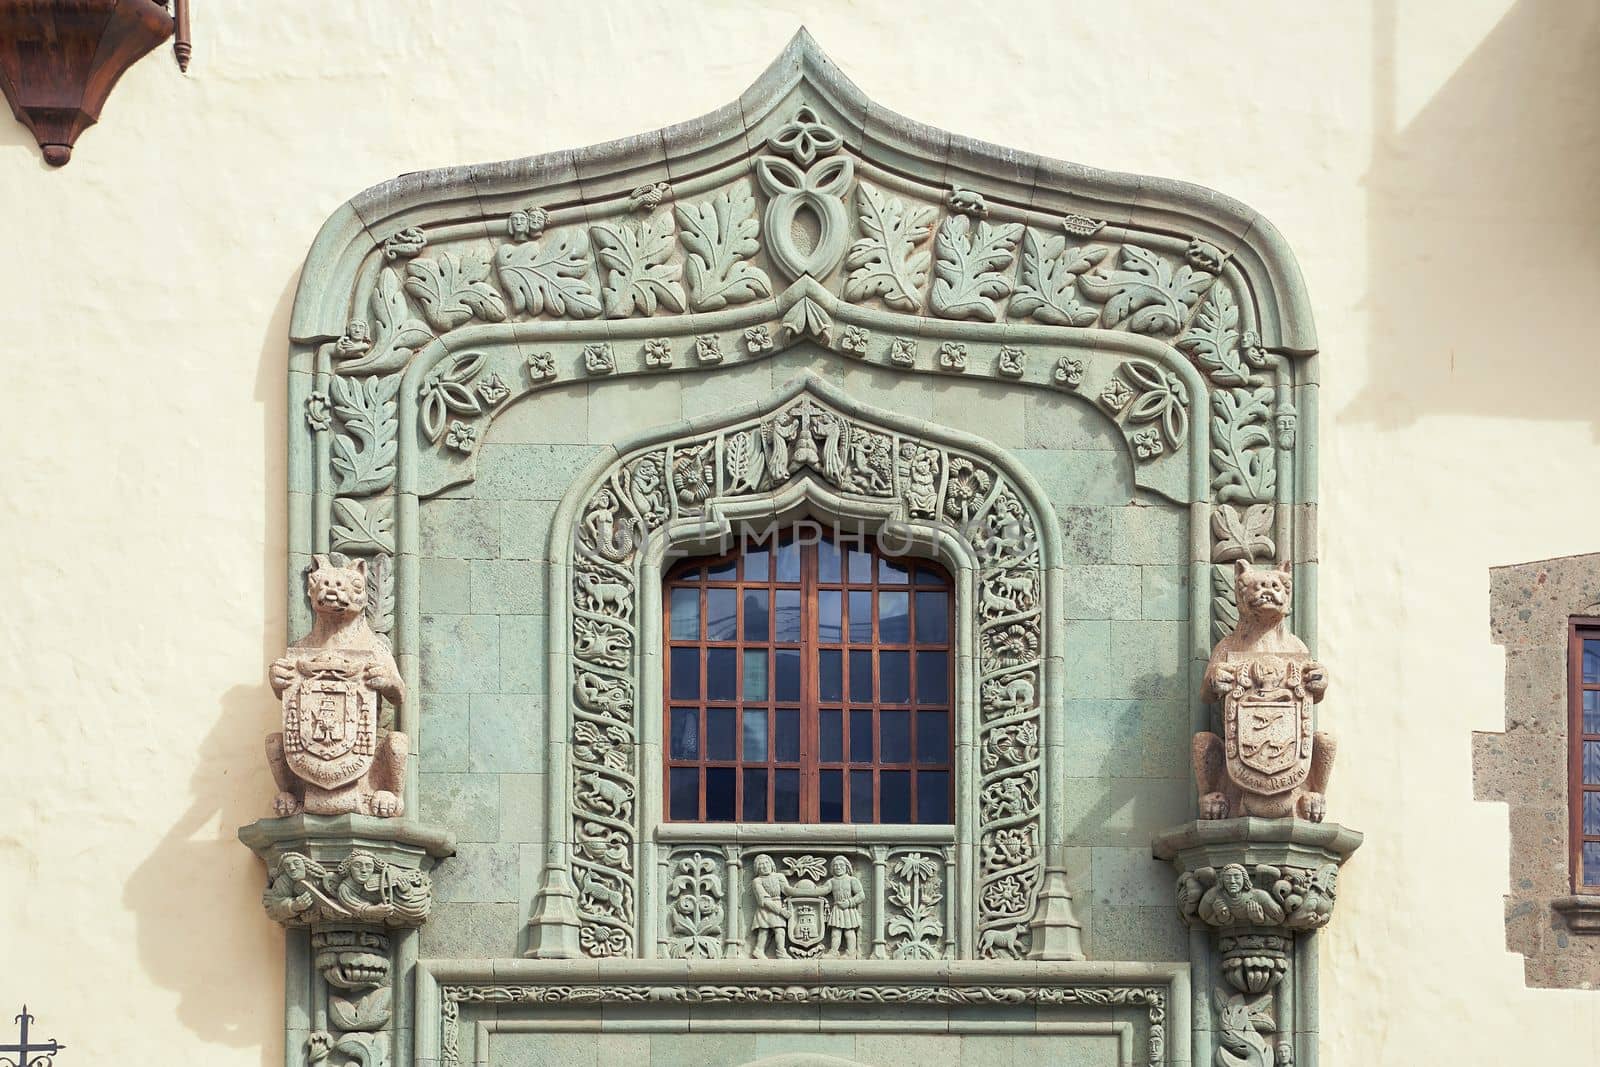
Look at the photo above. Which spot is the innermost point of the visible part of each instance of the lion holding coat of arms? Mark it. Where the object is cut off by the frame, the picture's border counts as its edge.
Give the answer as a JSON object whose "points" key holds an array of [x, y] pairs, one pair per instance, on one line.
{"points": [[1268, 762]]}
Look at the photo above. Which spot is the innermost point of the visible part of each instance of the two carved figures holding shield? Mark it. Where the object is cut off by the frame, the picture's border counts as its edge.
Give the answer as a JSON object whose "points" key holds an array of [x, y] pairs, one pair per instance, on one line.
{"points": [[1269, 761]]}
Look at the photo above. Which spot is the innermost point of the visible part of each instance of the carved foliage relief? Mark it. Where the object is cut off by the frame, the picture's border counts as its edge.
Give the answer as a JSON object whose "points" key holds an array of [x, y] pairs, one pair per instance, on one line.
{"points": [[928, 484]]}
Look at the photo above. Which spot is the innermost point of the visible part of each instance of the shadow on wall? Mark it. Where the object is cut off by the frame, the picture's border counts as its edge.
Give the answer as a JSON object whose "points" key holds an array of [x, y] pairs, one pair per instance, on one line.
{"points": [[197, 897], [1485, 226]]}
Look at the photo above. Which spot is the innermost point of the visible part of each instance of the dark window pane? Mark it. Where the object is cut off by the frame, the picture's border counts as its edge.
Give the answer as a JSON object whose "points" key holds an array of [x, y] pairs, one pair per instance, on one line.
{"points": [[1591, 711], [755, 614], [861, 676], [927, 576], [755, 674], [786, 798], [721, 782], [789, 562], [861, 615], [722, 572], [827, 561], [894, 624], [684, 785], [685, 614], [830, 674], [830, 735], [786, 619], [755, 795], [894, 737], [894, 796], [1591, 813], [1591, 763], [1591, 662], [788, 670], [860, 796], [722, 624], [1591, 863], [933, 617], [685, 668], [720, 733], [858, 565], [830, 795], [933, 797], [685, 740], [894, 677], [722, 679], [933, 677], [830, 626], [786, 738], [933, 737], [892, 571], [755, 565], [755, 735], [860, 735]]}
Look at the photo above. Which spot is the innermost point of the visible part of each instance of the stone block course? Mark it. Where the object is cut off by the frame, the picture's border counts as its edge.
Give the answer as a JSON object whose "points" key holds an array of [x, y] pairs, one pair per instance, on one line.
{"points": [[506, 732], [508, 587], [461, 653], [467, 805], [530, 472]]}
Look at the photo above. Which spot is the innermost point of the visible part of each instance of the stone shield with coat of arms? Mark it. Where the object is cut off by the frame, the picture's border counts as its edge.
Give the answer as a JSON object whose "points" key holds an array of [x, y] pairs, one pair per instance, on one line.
{"points": [[330, 723], [1267, 720]]}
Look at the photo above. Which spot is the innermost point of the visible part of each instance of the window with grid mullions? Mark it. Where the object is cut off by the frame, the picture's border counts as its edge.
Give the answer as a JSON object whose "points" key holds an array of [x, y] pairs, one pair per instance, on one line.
{"points": [[1584, 768], [809, 680]]}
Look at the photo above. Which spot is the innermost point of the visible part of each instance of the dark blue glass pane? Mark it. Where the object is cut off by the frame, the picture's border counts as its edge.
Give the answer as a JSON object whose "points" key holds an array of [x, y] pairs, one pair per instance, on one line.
{"points": [[789, 562], [756, 606], [755, 565], [892, 571], [685, 740], [1591, 763], [830, 674], [685, 665], [720, 733], [860, 736], [787, 685], [786, 798], [755, 735], [860, 796], [933, 617], [685, 614], [1591, 662], [933, 797], [830, 624], [861, 615], [858, 565], [722, 572], [894, 796], [830, 735], [1591, 863], [786, 738], [1591, 814], [721, 786], [755, 795], [722, 622], [786, 618], [933, 677], [894, 737], [894, 677], [755, 674], [861, 676], [894, 620], [1591, 711], [933, 737], [926, 576], [684, 785], [830, 795], [827, 561], [722, 677]]}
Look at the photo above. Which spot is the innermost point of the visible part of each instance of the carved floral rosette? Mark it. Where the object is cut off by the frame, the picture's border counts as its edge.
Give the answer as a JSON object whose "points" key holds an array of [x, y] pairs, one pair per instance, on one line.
{"points": [[684, 484]]}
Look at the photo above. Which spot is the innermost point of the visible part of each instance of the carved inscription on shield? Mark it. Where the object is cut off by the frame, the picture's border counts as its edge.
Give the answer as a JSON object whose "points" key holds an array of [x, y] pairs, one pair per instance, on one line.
{"points": [[330, 720], [1267, 722]]}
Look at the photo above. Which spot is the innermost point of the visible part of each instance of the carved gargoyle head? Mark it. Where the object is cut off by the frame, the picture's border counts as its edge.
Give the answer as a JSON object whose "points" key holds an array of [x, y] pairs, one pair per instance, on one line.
{"points": [[336, 590], [352, 959], [1263, 595]]}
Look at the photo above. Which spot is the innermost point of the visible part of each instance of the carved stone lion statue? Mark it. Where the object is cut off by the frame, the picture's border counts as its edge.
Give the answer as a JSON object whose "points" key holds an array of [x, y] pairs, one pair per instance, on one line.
{"points": [[1268, 762], [329, 759]]}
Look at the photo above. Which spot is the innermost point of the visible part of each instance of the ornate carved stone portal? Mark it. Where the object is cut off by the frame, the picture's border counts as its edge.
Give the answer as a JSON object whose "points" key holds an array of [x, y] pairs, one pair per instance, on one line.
{"points": [[779, 265]]}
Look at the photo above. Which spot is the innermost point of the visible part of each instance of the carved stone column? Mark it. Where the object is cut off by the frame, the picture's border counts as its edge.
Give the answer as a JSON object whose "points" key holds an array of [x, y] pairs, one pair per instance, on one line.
{"points": [[351, 890], [1256, 891]]}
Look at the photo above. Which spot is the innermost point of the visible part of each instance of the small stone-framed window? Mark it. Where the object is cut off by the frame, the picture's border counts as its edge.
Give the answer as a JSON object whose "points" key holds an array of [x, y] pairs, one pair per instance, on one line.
{"points": [[808, 678], [1583, 777]]}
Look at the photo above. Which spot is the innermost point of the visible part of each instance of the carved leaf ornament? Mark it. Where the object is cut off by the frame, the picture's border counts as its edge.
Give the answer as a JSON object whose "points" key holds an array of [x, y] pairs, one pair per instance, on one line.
{"points": [[549, 276], [639, 275], [720, 236], [886, 262], [972, 269], [1146, 291], [454, 288]]}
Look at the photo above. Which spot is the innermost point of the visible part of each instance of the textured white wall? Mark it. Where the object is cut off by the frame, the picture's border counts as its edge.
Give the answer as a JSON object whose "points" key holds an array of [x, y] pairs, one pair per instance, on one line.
{"points": [[1431, 165]]}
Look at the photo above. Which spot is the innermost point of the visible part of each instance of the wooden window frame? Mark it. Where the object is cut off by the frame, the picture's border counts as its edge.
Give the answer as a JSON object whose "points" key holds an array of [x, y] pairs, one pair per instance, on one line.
{"points": [[1579, 629], [810, 706]]}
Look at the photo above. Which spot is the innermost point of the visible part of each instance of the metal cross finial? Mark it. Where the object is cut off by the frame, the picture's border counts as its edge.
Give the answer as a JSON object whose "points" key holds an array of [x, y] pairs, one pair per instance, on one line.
{"points": [[28, 1053]]}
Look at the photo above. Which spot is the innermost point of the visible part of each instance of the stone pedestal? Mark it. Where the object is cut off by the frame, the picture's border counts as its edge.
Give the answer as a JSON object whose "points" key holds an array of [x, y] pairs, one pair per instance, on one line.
{"points": [[351, 891], [1254, 892]]}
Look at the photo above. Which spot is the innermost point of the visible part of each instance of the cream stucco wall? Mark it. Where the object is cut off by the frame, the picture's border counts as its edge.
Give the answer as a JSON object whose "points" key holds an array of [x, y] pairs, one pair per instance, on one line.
{"points": [[1431, 164]]}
